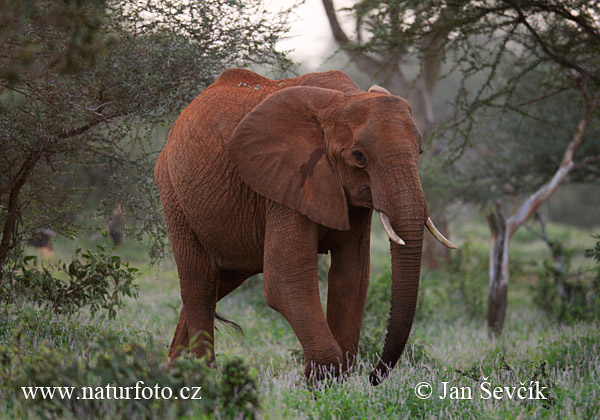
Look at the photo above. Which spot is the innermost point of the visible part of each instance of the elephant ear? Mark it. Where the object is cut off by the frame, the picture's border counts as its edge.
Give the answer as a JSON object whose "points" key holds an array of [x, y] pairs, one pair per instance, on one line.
{"points": [[279, 151]]}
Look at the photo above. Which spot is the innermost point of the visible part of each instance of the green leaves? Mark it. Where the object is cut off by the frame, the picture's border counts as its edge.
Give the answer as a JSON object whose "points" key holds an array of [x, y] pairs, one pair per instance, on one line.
{"points": [[94, 279], [94, 87], [111, 361], [567, 294]]}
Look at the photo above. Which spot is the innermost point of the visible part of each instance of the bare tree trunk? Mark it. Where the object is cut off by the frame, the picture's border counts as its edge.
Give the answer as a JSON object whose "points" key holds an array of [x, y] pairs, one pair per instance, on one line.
{"points": [[502, 231], [498, 271]]}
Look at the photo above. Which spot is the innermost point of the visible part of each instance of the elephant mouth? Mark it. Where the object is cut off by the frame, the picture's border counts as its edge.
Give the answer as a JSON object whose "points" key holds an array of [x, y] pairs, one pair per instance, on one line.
{"points": [[389, 230]]}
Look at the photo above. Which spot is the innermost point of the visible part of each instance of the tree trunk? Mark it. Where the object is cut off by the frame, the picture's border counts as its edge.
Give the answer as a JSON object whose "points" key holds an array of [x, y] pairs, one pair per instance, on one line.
{"points": [[498, 272], [502, 231], [12, 214]]}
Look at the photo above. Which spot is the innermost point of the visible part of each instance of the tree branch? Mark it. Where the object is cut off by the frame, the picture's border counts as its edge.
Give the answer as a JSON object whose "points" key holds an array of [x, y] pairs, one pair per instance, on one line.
{"points": [[80, 130], [365, 63], [538, 39], [546, 190], [589, 163], [432, 43]]}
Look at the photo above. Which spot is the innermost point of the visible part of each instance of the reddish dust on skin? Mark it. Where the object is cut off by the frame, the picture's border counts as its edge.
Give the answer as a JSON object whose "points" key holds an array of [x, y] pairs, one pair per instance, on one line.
{"points": [[252, 188]]}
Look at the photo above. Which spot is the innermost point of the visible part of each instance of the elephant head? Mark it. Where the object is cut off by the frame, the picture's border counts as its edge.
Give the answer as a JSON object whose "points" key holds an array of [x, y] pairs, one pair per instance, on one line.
{"points": [[319, 150]]}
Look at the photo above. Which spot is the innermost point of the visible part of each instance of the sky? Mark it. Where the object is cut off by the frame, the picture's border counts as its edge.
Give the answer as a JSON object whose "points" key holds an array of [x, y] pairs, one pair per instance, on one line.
{"points": [[310, 36]]}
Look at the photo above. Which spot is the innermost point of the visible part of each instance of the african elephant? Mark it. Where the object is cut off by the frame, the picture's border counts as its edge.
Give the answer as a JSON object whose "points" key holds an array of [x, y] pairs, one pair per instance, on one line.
{"points": [[261, 175]]}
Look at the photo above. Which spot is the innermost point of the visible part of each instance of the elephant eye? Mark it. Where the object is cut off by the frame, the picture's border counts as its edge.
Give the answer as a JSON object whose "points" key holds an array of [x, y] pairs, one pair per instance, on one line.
{"points": [[359, 157]]}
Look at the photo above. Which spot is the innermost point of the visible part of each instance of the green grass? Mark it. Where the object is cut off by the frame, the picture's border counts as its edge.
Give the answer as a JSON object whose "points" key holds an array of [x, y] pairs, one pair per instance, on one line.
{"points": [[448, 342]]}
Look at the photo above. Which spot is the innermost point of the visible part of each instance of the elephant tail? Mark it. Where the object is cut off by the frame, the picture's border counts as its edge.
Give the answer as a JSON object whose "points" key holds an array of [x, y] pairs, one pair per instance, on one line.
{"points": [[229, 322]]}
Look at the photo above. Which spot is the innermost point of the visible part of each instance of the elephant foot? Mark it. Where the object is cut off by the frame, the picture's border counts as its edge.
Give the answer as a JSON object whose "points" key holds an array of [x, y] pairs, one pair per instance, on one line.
{"points": [[329, 365], [199, 347], [318, 372]]}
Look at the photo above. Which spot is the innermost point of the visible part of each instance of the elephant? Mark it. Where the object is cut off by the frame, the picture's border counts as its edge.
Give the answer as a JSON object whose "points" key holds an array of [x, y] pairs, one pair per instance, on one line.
{"points": [[261, 175]]}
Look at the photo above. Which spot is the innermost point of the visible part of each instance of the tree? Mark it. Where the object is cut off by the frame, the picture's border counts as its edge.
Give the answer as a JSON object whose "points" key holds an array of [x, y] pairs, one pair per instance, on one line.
{"points": [[544, 53], [402, 45], [515, 58], [388, 46], [87, 83]]}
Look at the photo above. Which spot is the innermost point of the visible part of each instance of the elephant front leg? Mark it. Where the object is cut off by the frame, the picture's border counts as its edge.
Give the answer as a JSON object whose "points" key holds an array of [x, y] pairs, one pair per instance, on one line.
{"points": [[348, 281], [291, 287]]}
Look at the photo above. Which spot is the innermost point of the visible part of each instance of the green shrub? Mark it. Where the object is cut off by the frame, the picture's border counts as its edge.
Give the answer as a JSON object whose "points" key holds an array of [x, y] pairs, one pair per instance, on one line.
{"points": [[458, 289], [566, 294], [229, 393], [467, 278], [94, 279]]}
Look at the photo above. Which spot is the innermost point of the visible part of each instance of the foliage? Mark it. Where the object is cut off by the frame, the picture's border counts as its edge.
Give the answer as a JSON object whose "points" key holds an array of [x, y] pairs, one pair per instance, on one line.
{"points": [[466, 271], [526, 146], [504, 41], [97, 83], [530, 72], [514, 43], [526, 72], [566, 294], [94, 279], [594, 253], [458, 288], [78, 22], [445, 345], [111, 362]]}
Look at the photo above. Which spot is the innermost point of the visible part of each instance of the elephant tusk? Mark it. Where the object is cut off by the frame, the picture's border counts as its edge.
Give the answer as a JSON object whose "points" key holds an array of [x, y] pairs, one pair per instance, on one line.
{"points": [[437, 235], [387, 225]]}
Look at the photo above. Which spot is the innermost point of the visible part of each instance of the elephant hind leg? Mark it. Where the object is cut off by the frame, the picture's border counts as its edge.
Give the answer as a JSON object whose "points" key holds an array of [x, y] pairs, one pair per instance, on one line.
{"points": [[198, 277], [230, 280], [181, 339]]}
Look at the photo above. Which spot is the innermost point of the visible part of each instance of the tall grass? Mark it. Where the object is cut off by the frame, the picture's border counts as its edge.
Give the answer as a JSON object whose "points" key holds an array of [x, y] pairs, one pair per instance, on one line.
{"points": [[449, 342]]}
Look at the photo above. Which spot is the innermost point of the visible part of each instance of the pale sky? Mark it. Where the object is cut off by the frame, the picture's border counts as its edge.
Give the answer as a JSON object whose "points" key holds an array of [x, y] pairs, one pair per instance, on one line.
{"points": [[310, 35]]}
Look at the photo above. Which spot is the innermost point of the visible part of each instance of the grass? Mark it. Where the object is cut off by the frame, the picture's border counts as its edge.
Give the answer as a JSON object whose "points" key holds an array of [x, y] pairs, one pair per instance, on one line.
{"points": [[449, 342]]}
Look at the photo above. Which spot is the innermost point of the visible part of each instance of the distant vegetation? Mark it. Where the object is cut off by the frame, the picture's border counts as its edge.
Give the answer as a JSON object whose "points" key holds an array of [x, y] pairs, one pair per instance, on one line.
{"points": [[509, 96]]}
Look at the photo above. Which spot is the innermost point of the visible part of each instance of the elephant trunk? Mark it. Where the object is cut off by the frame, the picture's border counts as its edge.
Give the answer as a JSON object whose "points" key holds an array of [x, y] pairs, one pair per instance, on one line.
{"points": [[407, 213]]}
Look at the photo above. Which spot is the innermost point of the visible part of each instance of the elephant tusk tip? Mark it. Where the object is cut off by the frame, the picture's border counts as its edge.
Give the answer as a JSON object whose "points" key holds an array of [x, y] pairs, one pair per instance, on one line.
{"points": [[449, 244], [400, 242], [389, 230], [437, 234]]}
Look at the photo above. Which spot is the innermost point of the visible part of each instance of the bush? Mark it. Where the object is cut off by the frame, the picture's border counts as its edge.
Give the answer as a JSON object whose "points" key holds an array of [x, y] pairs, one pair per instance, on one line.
{"points": [[230, 393], [93, 279], [458, 289], [467, 278], [566, 294]]}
